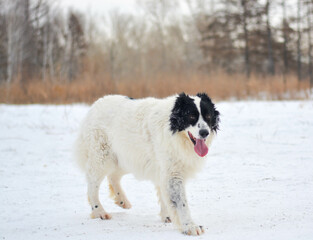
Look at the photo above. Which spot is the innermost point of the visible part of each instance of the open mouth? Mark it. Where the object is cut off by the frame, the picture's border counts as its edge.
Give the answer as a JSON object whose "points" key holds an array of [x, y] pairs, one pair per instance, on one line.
{"points": [[199, 145], [192, 138]]}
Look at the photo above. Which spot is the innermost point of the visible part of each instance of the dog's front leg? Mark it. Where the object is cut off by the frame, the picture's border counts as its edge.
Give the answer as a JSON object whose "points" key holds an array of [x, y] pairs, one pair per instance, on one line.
{"points": [[178, 206]]}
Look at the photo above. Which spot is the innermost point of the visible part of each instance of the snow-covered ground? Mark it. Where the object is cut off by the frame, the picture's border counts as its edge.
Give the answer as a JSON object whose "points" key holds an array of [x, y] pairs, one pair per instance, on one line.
{"points": [[257, 183]]}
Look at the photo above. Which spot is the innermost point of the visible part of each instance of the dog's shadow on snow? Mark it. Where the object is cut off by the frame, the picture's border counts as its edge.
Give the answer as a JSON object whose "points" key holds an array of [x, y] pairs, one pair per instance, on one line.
{"points": [[128, 220]]}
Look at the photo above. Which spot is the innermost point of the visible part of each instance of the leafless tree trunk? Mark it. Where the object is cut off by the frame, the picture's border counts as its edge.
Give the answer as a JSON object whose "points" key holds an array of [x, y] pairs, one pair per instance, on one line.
{"points": [[112, 61], [45, 47], [50, 53], [13, 41], [49, 32], [27, 61], [309, 22], [285, 55], [10, 49], [271, 64], [3, 45], [19, 40], [299, 64], [246, 37], [77, 45]]}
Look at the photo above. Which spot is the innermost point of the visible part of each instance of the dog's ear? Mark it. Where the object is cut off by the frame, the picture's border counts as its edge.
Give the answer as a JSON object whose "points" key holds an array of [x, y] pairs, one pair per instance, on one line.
{"points": [[216, 120], [206, 103], [182, 106], [183, 96], [176, 118], [204, 97]]}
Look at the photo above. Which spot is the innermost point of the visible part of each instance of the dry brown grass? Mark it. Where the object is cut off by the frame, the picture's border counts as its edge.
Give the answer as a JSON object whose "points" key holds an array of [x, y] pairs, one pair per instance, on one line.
{"points": [[219, 86]]}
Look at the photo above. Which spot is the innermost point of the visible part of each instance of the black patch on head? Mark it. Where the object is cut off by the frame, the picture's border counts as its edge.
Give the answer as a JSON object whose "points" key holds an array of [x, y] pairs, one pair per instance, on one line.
{"points": [[184, 113], [209, 112]]}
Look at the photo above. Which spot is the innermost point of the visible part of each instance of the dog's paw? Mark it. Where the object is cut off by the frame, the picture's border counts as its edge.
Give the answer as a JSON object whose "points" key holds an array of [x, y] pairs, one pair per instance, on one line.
{"points": [[119, 198], [192, 229], [167, 220], [101, 214], [123, 204]]}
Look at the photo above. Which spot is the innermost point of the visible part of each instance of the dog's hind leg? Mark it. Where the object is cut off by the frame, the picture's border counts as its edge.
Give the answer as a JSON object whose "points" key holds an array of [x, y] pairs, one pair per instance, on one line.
{"points": [[165, 217], [96, 158], [116, 191], [94, 182]]}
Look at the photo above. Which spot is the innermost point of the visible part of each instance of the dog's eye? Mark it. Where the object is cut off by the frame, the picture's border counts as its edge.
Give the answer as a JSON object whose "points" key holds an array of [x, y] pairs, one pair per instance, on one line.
{"points": [[192, 117], [208, 117]]}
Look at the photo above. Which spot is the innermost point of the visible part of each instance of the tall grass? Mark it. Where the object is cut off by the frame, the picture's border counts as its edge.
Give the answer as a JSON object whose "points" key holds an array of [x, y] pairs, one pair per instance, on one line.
{"points": [[219, 86]]}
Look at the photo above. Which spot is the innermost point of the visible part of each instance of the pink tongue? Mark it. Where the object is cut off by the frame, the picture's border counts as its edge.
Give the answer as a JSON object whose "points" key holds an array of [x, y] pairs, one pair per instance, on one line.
{"points": [[200, 148]]}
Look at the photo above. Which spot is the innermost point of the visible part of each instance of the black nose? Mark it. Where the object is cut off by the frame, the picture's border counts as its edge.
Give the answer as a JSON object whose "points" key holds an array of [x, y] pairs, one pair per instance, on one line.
{"points": [[203, 133]]}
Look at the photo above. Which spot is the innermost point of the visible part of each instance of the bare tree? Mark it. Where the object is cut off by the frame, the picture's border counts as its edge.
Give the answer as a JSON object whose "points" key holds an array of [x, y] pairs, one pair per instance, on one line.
{"points": [[309, 5], [13, 45], [159, 12], [46, 33], [117, 46], [246, 36], [285, 44], [137, 39], [299, 63], [3, 40], [20, 40], [76, 44], [271, 64]]}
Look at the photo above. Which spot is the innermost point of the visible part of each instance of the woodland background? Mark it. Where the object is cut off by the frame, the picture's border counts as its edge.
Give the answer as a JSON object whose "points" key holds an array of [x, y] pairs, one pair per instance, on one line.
{"points": [[232, 49]]}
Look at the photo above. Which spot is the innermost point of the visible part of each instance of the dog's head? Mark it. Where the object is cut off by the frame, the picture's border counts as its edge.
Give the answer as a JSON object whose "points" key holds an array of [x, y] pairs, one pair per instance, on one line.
{"points": [[197, 118]]}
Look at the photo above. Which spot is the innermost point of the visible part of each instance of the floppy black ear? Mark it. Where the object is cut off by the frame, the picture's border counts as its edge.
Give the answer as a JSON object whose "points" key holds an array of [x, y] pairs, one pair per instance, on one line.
{"points": [[216, 120], [204, 97], [206, 104], [176, 118], [183, 104]]}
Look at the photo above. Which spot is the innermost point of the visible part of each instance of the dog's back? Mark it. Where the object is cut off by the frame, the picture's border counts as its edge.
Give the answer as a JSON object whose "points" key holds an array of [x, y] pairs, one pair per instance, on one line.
{"points": [[117, 122]]}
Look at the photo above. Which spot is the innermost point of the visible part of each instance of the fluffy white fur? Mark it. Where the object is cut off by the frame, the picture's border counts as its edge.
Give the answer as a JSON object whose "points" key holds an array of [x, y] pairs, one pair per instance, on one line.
{"points": [[122, 136]]}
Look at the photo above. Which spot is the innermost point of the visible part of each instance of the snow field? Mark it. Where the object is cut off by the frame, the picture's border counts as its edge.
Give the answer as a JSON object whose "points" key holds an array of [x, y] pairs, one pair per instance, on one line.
{"points": [[257, 183]]}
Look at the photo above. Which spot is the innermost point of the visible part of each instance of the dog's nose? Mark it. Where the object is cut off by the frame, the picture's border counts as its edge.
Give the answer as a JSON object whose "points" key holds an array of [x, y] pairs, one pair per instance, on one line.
{"points": [[203, 133]]}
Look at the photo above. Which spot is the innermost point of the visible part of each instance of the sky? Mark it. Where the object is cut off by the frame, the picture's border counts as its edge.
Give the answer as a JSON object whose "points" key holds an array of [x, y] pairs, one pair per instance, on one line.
{"points": [[100, 6], [103, 7]]}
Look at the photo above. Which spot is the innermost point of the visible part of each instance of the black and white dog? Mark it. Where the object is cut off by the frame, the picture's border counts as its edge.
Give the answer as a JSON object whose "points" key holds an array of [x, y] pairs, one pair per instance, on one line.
{"points": [[162, 140]]}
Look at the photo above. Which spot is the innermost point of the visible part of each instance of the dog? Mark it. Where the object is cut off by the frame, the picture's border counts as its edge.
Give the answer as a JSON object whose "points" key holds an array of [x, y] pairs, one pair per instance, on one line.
{"points": [[165, 141]]}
